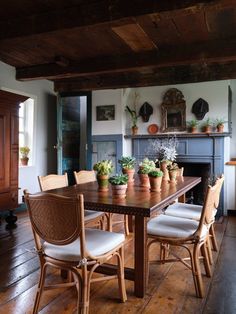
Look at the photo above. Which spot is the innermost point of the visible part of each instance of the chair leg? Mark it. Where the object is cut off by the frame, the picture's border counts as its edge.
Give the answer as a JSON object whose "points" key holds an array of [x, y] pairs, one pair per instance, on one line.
{"points": [[213, 238], [121, 275], [126, 225], [206, 260], [208, 243], [84, 303], [197, 271], [40, 288]]}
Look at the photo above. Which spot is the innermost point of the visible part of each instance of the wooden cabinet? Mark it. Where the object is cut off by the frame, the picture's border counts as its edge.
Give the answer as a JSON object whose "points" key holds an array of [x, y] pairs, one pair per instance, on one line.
{"points": [[9, 129]]}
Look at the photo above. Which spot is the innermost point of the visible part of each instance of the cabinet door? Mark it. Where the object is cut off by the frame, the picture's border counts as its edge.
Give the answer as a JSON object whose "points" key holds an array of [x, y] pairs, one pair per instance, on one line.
{"points": [[5, 149]]}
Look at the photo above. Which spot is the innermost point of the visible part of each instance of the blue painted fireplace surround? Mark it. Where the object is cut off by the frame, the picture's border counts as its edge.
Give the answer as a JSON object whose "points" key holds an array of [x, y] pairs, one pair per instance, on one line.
{"points": [[199, 148]]}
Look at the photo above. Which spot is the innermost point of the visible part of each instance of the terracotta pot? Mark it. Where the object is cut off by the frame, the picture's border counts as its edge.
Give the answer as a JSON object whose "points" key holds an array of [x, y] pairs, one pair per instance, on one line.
{"points": [[102, 183], [24, 161], [130, 173], [155, 184], [173, 175], [164, 169], [144, 180], [207, 128], [220, 128], [134, 130], [119, 191], [193, 129]]}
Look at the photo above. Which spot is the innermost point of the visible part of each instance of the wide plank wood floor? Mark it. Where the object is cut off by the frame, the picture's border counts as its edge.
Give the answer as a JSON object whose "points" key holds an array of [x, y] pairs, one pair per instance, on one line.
{"points": [[170, 287]]}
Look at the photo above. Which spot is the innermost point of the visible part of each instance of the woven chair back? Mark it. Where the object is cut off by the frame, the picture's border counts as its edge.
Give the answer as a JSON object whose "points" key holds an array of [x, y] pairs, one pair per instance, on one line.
{"points": [[56, 219], [84, 176], [52, 181], [220, 184]]}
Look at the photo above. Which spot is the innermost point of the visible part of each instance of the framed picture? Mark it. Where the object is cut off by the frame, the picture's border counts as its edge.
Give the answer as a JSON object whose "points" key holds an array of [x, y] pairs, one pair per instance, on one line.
{"points": [[105, 113]]}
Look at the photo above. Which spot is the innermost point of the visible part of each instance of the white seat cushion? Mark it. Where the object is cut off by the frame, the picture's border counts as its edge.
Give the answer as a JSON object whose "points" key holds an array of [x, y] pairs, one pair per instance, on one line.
{"points": [[98, 242], [185, 210], [176, 227], [91, 214]]}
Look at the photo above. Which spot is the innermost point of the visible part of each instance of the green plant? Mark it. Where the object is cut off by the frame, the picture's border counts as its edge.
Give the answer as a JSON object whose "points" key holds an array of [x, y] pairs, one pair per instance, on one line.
{"points": [[155, 173], [119, 179], [133, 115], [146, 166], [207, 122], [219, 121], [192, 123], [24, 151], [127, 162], [103, 167]]}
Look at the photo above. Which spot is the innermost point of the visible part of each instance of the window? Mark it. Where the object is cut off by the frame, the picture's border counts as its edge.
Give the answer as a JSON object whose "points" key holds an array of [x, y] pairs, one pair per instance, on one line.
{"points": [[26, 119]]}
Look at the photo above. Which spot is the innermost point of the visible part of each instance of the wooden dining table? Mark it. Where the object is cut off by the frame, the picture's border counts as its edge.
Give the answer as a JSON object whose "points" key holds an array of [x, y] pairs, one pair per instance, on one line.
{"points": [[139, 203]]}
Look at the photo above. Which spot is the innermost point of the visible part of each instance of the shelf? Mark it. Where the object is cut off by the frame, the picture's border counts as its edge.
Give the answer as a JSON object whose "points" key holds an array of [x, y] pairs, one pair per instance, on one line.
{"points": [[178, 135]]}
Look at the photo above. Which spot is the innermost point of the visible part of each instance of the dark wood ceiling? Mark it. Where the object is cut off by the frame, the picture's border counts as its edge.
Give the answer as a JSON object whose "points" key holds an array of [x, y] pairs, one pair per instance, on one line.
{"points": [[91, 44]]}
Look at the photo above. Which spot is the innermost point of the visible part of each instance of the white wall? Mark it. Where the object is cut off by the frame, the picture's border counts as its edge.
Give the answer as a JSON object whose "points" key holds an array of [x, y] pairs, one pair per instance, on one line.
{"points": [[39, 90]]}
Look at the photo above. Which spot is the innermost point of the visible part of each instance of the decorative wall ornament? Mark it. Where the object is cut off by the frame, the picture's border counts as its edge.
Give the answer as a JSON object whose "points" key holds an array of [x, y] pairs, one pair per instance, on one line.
{"points": [[173, 111], [200, 108], [145, 111]]}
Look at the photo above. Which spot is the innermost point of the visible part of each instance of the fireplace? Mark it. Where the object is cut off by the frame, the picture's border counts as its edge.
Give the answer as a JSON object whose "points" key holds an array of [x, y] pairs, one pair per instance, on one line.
{"points": [[200, 154]]}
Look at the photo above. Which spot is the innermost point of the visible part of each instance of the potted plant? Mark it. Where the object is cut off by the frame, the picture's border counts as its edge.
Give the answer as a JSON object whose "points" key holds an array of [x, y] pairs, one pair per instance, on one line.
{"points": [[24, 152], [207, 125], [219, 123], [173, 169], [127, 166], [145, 167], [134, 118], [119, 185], [192, 125], [103, 168], [155, 177]]}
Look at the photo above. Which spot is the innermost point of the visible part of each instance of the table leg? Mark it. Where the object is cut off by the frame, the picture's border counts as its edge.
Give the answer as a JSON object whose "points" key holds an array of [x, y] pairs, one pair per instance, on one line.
{"points": [[130, 223], [140, 256]]}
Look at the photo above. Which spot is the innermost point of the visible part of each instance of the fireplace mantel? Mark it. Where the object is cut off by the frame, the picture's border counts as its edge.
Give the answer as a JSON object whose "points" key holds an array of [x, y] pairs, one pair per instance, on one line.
{"points": [[178, 135]]}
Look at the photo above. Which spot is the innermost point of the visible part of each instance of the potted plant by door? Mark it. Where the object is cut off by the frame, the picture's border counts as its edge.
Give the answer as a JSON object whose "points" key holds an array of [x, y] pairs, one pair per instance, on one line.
{"points": [[127, 166], [192, 125], [24, 152], [103, 168], [145, 167], [155, 178], [119, 185], [219, 123], [134, 119]]}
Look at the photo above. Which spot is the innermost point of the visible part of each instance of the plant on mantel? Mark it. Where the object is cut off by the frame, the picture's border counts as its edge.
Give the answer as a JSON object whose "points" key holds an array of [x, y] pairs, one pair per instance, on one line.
{"points": [[133, 114], [192, 125], [207, 125], [219, 124]]}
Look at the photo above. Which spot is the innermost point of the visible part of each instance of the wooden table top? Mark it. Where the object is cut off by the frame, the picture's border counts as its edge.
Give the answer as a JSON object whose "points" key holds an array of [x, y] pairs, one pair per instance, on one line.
{"points": [[139, 201]]}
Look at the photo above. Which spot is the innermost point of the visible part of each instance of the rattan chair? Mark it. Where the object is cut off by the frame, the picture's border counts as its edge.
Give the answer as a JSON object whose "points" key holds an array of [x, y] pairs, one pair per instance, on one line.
{"points": [[85, 176], [72, 247], [55, 181], [190, 234], [192, 211]]}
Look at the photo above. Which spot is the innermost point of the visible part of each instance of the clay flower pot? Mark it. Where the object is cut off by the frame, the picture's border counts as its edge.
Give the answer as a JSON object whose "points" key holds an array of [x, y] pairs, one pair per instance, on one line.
{"points": [[144, 180], [155, 183], [102, 183], [173, 175], [119, 191], [134, 130], [24, 161], [164, 169], [130, 173], [220, 128]]}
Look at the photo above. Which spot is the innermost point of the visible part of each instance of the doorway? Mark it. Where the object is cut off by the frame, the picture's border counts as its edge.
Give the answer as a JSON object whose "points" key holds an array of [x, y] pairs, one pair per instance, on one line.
{"points": [[73, 133]]}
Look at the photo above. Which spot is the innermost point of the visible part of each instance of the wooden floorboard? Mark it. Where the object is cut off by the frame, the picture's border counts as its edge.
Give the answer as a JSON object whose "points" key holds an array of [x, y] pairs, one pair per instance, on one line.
{"points": [[170, 287]]}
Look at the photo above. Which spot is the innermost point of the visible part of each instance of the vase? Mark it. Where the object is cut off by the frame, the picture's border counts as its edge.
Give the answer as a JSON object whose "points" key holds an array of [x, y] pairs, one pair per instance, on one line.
{"points": [[155, 184], [134, 130], [164, 169], [119, 191], [144, 180], [24, 161], [102, 183], [130, 173]]}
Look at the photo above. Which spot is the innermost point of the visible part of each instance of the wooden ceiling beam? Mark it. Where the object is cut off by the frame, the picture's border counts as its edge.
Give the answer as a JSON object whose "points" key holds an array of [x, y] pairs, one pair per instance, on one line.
{"points": [[91, 13], [164, 76], [207, 52]]}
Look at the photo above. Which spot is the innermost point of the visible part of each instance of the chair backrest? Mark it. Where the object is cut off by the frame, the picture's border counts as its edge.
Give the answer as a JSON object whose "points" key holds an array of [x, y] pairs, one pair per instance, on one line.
{"points": [[52, 181], [210, 202], [56, 219], [84, 176]]}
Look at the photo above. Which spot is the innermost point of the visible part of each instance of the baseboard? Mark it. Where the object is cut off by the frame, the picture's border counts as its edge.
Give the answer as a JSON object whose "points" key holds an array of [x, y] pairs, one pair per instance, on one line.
{"points": [[231, 212]]}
